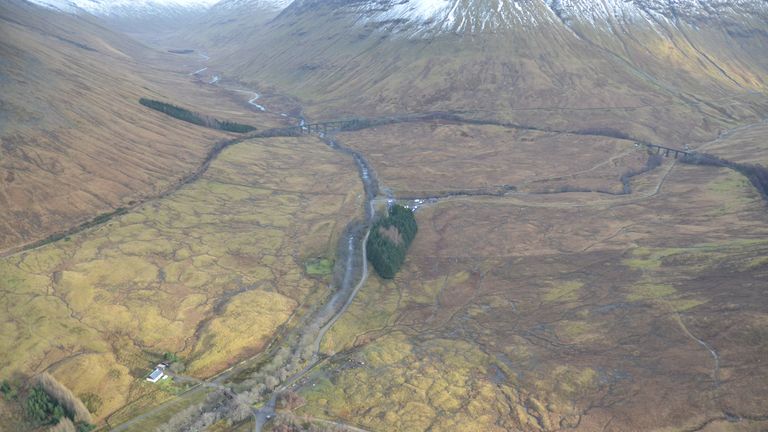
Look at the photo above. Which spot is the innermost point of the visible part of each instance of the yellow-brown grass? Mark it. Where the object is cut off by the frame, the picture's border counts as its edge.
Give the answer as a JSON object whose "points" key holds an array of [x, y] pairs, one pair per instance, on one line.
{"points": [[451, 157], [209, 273], [76, 143], [510, 312], [64, 425]]}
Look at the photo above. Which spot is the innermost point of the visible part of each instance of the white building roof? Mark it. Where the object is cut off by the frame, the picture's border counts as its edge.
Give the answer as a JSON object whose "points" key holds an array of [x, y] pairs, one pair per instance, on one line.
{"points": [[155, 375]]}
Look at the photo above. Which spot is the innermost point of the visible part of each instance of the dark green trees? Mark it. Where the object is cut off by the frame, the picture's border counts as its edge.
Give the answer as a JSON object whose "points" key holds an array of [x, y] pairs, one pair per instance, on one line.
{"points": [[195, 118], [173, 111], [43, 408], [234, 127], [389, 240], [50, 402], [8, 390]]}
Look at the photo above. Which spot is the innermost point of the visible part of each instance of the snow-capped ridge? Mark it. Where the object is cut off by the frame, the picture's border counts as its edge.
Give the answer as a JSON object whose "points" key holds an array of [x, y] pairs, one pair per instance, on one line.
{"points": [[254, 4], [126, 7], [423, 17]]}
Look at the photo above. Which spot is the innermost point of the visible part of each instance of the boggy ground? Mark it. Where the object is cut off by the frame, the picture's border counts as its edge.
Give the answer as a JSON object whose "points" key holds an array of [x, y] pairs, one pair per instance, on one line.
{"points": [[566, 311], [433, 159], [209, 273]]}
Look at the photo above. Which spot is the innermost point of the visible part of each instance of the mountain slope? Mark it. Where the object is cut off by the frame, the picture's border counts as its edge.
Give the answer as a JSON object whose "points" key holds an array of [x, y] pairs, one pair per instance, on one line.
{"points": [[131, 15], [75, 142], [646, 66], [226, 24], [126, 7], [468, 16]]}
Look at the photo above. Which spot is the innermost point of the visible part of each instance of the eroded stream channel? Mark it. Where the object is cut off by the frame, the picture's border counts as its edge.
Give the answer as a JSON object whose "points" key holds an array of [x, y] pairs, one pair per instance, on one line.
{"points": [[302, 341], [296, 353], [348, 280]]}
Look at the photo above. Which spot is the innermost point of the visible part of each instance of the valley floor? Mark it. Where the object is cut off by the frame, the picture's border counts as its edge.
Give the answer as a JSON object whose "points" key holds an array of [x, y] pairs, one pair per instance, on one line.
{"points": [[523, 305]]}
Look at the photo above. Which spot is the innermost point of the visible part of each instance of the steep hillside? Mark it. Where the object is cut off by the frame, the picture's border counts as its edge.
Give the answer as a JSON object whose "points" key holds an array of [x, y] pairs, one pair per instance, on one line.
{"points": [[75, 142], [125, 7], [642, 67], [226, 25], [127, 15]]}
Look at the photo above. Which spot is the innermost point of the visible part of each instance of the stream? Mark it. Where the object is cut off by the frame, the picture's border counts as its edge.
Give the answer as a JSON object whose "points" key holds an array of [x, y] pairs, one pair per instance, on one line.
{"points": [[350, 273], [352, 248], [708, 347], [349, 278]]}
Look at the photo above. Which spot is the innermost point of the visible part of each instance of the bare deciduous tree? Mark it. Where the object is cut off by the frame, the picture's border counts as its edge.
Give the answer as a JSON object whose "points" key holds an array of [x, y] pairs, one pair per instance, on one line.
{"points": [[242, 408], [64, 425]]}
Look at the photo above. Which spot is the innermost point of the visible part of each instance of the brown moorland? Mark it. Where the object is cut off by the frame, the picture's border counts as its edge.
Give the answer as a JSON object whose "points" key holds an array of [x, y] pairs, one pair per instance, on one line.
{"points": [[579, 311], [663, 81], [523, 311], [209, 273], [433, 159], [75, 141]]}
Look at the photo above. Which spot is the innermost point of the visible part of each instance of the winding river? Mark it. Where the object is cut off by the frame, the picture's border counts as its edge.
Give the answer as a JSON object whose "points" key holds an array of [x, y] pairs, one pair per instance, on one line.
{"points": [[351, 275], [353, 249]]}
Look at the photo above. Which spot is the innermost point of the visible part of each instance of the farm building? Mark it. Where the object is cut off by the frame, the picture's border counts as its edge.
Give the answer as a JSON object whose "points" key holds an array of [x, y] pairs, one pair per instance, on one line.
{"points": [[157, 374]]}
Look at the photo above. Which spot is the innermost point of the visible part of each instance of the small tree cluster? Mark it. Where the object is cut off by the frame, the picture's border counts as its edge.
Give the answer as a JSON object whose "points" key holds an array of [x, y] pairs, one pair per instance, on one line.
{"points": [[197, 417], [218, 406], [357, 124], [653, 162], [42, 408], [195, 118], [289, 400], [73, 406], [390, 239], [8, 390], [234, 127], [49, 402], [174, 111]]}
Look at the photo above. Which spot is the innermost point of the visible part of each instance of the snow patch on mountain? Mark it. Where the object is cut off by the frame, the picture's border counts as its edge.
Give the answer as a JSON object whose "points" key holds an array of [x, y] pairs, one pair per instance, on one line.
{"points": [[61, 5], [423, 17], [125, 7], [415, 18], [460, 16], [421, 10], [254, 4]]}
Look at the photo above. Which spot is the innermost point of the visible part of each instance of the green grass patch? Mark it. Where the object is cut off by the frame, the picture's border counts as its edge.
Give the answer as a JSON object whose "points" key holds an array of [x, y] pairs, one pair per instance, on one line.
{"points": [[650, 291], [682, 305], [731, 183], [756, 262], [566, 291], [319, 267], [167, 385]]}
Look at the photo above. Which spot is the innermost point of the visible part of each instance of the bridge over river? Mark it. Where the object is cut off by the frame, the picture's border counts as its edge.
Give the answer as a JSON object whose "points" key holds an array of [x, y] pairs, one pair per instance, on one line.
{"points": [[666, 151], [323, 128]]}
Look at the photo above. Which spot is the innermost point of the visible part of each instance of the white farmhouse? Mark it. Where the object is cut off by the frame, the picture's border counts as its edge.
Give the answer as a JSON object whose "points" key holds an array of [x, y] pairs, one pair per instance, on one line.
{"points": [[157, 374]]}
